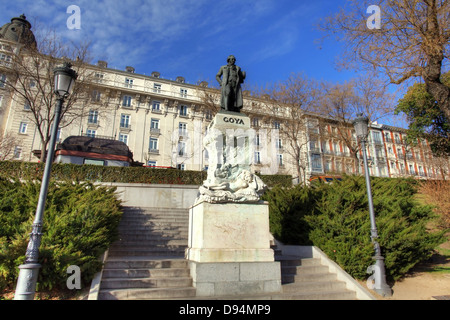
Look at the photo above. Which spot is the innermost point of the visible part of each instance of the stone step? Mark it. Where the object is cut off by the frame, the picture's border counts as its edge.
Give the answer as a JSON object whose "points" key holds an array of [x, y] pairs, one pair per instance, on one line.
{"points": [[152, 237], [299, 262], [121, 283], [148, 293], [145, 248], [142, 273], [307, 286], [143, 263], [153, 222], [148, 228], [290, 278], [307, 269], [319, 295], [158, 242], [148, 253]]}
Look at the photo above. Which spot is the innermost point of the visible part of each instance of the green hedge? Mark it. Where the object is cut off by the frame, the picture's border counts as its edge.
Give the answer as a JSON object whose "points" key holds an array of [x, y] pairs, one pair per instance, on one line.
{"points": [[80, 222], [335, 218], [73, 172]]}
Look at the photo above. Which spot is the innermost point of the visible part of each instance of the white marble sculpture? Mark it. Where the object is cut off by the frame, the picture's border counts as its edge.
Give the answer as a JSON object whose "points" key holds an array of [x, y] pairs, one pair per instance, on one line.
{"points": [[230, 155]]}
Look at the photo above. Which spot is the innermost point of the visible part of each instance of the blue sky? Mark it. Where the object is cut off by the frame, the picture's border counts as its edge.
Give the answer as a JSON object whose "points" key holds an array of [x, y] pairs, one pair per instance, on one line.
{"points": [[192, 38]]}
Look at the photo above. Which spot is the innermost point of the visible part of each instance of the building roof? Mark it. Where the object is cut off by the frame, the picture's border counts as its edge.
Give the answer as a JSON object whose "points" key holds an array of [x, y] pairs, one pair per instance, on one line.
{"points": [[18, 30], [96, 145]]}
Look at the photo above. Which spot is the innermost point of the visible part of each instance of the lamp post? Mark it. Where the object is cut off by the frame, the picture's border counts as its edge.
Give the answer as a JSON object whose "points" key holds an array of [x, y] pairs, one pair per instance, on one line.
{"points": [[361, 125], [26, 283]]}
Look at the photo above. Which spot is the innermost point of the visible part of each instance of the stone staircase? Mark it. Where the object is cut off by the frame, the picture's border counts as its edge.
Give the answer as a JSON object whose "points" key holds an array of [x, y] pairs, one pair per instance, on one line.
{"points": [[309, 279], [147, 262]]}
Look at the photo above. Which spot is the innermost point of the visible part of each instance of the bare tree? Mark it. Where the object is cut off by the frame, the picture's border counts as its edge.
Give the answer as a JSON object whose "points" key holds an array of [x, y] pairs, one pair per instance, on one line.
{"points": [[7, 146], [289, 105], [412, 41], [339, 105], [31, 81]]}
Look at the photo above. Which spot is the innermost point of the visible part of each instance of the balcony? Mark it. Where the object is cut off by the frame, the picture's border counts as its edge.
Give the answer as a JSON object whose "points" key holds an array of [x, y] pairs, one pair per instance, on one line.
{"points": [[155, 131], [125, 127], [153, 151]]}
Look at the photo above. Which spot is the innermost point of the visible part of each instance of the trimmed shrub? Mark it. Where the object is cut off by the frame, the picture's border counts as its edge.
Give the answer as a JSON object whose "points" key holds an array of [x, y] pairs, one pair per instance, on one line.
{"points": [[335, 218], [73, 172], [341, 227], [80, 222], [288, 208]]}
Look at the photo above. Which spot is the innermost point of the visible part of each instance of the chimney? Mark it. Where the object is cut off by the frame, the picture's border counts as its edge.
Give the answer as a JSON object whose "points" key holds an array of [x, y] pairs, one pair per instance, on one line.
{"points": [[102, 64]]}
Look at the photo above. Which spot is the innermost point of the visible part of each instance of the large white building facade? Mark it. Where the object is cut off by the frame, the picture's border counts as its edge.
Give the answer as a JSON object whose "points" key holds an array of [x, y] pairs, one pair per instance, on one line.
{"points": [[163, 122]]}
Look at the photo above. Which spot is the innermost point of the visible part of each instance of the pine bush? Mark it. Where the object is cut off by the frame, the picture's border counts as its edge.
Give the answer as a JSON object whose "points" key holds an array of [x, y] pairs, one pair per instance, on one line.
{"points": [[335, 218], [288, 207], [80, 222]]}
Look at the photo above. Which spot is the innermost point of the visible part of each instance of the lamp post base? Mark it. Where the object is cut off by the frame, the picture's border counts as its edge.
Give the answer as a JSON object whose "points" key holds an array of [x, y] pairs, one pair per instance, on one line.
{"points": [[26, 283]]}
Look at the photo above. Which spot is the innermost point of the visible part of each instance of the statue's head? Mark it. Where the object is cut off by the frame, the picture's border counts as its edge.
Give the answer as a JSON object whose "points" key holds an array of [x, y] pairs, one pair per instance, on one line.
{"points": [[231, 59]]}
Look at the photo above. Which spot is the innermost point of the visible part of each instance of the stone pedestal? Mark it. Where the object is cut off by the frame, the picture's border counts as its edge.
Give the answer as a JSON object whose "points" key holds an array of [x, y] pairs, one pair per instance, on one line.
{"points": [[229, 249], [229, 232]]}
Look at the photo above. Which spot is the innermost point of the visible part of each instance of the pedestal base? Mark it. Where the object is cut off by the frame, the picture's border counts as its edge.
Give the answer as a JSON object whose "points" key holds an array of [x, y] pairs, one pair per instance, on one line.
{"points": [[230, 232], [229, 250], [235, 278]]}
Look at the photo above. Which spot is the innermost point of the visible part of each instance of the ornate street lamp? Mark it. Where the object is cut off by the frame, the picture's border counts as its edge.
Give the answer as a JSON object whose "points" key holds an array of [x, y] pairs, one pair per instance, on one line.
{"points": [[361, 125], [26, 283]]}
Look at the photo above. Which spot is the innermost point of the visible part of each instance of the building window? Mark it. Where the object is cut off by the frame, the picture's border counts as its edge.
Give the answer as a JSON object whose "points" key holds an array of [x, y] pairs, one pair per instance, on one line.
{"points": [[276, 125], [4, 57], [124, 138], [183, 93], [257, 140], [181, 148], [2, 80], [313, 146], [23, 128], [376, 137], [278, 144], [182, 129], [26, 106], [151, 163], [208, 115], [126, 101], [128, 83], [125, 121], [387, 136], [183, 111], [157, 88], [280, 160], [17, 153], [91, 133], [156, 106], [327, 166], [316, 162], [98, 77], [153, 146], [154, 125], [95, 96], [93, 117], [257, 157], [255, 122]]}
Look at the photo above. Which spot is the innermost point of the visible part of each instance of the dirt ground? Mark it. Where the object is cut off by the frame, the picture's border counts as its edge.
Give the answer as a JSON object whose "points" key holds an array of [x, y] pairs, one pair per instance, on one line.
{"points": [[429, 280]]}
